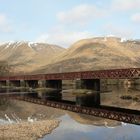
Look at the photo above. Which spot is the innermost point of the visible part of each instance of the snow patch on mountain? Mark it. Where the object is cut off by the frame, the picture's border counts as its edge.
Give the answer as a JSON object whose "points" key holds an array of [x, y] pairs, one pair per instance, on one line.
{"points": [[123, 40]]}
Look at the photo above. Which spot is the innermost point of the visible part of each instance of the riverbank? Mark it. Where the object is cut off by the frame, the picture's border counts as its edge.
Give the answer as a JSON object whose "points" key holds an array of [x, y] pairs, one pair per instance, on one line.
{"points": [[27, 130]]}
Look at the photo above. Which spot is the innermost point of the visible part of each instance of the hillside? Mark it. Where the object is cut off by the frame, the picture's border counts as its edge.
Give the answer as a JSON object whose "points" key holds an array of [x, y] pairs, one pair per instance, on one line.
{"points": [[96, 53], [88, 54], [27, 56]]}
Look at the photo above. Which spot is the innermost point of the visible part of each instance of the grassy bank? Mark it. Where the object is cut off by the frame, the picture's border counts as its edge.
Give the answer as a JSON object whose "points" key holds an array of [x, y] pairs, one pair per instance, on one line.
{"points": [[27, 130]]}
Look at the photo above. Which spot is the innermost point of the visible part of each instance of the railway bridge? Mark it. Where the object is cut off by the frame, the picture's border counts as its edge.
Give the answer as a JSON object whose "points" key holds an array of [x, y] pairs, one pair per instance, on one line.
{"points": [[88, 80]]}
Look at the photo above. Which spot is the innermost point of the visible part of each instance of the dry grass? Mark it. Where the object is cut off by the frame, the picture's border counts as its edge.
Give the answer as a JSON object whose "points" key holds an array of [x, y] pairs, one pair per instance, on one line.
{"points": [[27, 131], [94, 54]]}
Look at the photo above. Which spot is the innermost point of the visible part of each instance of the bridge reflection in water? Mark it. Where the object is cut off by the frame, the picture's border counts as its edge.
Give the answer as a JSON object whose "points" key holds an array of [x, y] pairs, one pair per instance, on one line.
{"points": [[87, 104], [115, 113]]}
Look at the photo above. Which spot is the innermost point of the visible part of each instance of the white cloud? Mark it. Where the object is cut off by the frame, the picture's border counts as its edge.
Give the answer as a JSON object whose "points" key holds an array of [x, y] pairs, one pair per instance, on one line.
{"points": [[80, 14], [125, 5], [85, 13], [136, 18], [4, 24], [63, 38]]}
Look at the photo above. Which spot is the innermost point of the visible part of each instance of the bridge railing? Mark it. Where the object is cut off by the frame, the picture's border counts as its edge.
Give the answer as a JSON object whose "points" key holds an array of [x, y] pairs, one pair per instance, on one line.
{"points": [[131, 73]]}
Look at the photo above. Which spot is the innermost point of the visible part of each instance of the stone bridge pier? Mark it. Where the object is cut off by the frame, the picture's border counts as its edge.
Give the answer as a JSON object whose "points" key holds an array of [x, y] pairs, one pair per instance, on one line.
{"points": [[3, 83], [14, 83], [92, 99], [57, 84], [42, 83], [92, 84], [31, 83]]}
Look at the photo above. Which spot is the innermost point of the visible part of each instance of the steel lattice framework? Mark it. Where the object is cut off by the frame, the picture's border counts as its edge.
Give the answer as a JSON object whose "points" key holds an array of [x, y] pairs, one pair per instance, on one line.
{"points": [[131, 73], [124, 115]]}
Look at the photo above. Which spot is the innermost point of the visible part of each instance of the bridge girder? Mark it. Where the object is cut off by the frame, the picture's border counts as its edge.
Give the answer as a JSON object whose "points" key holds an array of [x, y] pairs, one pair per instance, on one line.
{"points": [[131, 73]]}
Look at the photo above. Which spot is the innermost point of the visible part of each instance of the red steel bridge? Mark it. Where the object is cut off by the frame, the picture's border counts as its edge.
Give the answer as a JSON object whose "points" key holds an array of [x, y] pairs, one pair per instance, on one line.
{"points": [[130, 73], [90, 80]]}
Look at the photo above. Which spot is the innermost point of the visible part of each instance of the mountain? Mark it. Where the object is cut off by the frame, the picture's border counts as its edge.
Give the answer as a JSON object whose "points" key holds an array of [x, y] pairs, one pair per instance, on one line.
{"points": [[28, 56], [94, 54], [87, 54]]}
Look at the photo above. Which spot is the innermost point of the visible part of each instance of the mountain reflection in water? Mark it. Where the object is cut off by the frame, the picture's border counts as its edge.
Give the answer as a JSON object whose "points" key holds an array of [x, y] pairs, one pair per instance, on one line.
{"points": [[73, 125], [69, 129]]}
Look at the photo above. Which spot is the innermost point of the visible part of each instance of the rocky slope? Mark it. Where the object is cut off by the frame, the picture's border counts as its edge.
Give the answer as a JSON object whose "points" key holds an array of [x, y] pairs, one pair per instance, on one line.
{"points": [[96, 53], [27, 56]]}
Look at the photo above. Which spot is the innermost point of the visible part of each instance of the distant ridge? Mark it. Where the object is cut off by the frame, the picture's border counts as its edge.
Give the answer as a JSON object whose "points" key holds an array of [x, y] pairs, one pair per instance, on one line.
{"points": [[96, 53], [88, 54]]}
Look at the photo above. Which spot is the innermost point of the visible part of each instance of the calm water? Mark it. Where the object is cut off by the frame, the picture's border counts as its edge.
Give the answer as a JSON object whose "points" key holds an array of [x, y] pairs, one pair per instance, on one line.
{"points": [[78, 126], [71, 130]]}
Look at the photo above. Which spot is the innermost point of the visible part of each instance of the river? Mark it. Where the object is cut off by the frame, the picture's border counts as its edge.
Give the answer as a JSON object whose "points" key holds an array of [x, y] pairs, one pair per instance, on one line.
{"points": [[78, 126]]}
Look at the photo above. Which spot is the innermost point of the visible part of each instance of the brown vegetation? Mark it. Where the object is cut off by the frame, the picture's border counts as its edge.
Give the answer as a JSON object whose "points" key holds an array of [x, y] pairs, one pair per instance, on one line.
{"points": [[87, 54], [5, 69], [95, 54], [25, 57], [26, 130]]}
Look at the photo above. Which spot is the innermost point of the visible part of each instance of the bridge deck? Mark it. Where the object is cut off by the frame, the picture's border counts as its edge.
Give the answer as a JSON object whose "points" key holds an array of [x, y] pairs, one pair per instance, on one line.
{"points": [[131, 73]]}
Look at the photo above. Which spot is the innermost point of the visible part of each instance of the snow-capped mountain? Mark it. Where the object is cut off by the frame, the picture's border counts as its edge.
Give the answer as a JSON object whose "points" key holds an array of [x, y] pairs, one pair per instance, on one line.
{"points": [[27, 56], [88, 54]]}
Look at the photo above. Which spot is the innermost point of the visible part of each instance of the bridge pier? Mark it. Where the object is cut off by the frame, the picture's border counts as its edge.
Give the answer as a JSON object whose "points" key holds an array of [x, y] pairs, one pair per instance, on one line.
{"points": [[57, 84], [31, 83], [42, 83], [14, 83], [93, 84], [22, 83], [3, 83], [92, 99]]}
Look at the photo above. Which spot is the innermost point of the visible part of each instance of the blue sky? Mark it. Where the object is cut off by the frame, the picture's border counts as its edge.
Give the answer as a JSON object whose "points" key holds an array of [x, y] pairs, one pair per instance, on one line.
{"points": [[63, 22]]}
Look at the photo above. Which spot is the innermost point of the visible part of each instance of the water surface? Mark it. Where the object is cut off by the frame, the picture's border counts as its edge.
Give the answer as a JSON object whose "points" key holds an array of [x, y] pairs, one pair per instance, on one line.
{"points": [[75, 126]]}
